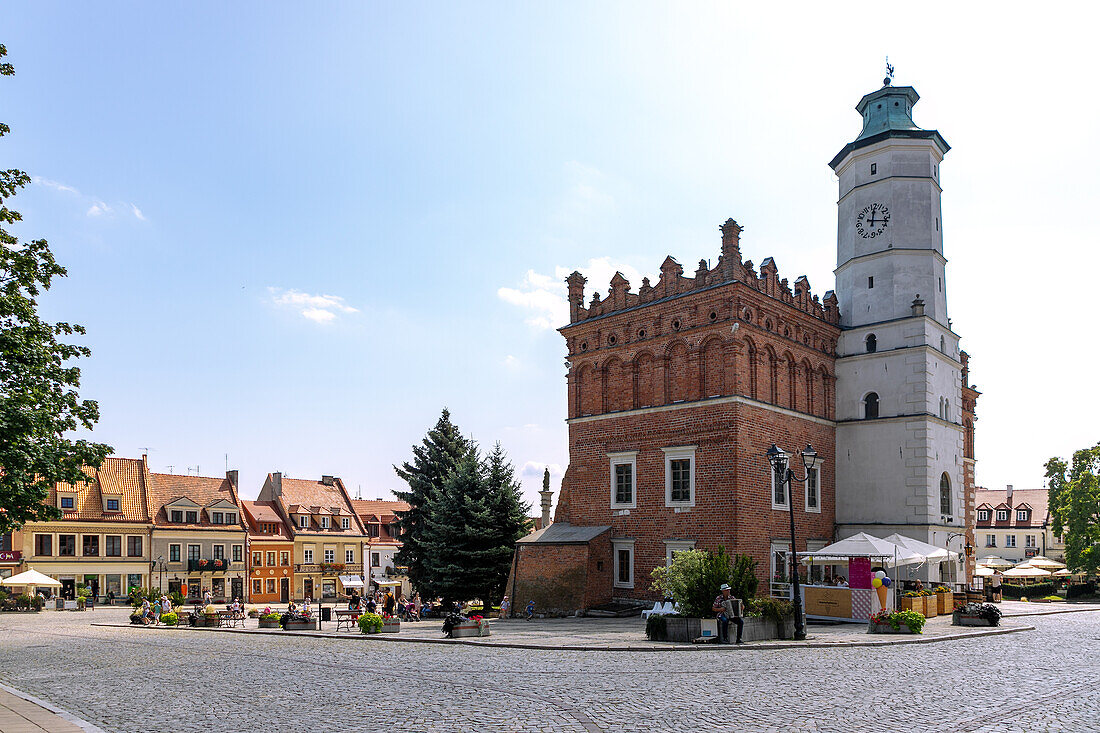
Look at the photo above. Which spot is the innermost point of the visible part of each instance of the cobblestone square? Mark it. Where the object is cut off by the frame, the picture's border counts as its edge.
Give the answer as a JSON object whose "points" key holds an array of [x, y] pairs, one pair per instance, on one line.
{"points": [[136, 679]]}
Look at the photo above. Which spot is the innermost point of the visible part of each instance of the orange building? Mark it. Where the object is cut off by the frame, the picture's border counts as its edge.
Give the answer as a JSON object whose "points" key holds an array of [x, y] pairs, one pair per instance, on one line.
{"points": [[270, 554]]}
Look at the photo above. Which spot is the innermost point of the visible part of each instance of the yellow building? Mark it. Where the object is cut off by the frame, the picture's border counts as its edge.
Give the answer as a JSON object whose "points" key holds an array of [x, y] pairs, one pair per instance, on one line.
{"points": [[103, 537], [328, 536]]}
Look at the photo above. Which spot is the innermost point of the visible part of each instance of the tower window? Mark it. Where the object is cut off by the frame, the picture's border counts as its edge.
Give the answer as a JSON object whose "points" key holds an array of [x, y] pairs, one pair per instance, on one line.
{"points": [[870, 281], [945, 495], [874, 168], [870, 406], [937, 223], [872, 343]]}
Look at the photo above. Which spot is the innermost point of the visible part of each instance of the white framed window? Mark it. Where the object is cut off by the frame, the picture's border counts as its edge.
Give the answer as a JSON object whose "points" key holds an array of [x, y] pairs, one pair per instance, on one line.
{"points": [[674, 546], [990, 540], [623, 552], [217, 518], [1002, 515], [813, 489], [219, 552], [349, 556], [680, 476], [780, 567], [1010, 540], [303, 521], [324, 522], [983, 515], [330, 555], [307, 556], [1029, 540], [257, 559], [624, 479], [256, 586], [345, 523], [1021, 515], [779, 489]]}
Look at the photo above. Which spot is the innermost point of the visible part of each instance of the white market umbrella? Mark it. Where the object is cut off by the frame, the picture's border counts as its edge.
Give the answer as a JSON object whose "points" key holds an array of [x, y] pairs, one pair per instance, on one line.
{"points": [[1046, 563], [930, 552], [1062, 573], [1025, 572], [992, 561], [983, 572], [31, 577], [863, 545]]}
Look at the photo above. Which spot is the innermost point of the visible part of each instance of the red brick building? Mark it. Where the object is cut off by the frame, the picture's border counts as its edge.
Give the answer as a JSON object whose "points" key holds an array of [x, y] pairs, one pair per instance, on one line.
{"points": [[675, 393]]}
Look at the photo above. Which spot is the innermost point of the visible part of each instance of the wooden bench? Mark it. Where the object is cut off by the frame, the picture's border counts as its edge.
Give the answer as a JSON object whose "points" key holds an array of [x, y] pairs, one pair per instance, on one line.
{"points": [[346, 620]]}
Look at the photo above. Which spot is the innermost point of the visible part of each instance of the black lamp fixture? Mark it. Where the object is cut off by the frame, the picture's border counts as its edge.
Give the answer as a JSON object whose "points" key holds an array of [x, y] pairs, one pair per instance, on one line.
{"points": [[780, 462]]}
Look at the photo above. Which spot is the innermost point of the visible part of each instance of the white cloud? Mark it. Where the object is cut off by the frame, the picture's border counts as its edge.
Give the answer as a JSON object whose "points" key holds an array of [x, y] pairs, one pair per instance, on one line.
{"points": [[98, 208], [55, 185], [137, 213], [511, 362], [545, 295], [316, 308], [534, 469]]}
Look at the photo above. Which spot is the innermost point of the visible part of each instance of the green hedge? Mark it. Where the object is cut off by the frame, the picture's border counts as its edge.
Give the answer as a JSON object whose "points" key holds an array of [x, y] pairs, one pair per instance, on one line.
{"points": [[1081, 589], [1031, 590]]}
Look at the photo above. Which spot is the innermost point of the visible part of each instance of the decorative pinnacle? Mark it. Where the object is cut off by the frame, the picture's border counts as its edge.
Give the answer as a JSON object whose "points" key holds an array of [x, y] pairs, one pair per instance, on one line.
{"points": [[889, 73]]}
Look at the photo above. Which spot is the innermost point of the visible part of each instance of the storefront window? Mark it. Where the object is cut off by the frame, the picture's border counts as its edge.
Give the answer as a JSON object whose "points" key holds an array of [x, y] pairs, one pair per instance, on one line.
{"points": [[174, 586], [114, 585], [133, 580], [194, 588], [218, 587], [328, 589]]}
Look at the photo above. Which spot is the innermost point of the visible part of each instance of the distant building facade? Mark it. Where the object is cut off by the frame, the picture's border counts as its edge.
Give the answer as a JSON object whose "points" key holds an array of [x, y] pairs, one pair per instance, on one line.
{"points": [[1014, 524]]}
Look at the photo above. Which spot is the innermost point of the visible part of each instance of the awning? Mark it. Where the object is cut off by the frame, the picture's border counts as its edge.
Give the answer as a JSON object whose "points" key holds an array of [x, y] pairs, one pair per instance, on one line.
{"points": [[382, 582], [351, 581], [930, 552], [862, 545], [31, 577]]}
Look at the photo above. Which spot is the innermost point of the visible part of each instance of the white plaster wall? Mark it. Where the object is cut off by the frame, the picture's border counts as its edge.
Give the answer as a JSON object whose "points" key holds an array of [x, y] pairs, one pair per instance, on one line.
{"points": [[899, 277]]}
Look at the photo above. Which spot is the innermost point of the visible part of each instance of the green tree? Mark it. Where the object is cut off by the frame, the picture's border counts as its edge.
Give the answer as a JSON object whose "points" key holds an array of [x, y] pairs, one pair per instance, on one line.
{"points": [[39, 403], [1073, 496], [694, 580], [508, 519], [433, 461]]}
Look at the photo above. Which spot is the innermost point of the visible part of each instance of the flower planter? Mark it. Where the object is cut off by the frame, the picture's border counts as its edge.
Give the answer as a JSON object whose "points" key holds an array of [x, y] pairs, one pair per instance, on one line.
{"points": [[908, 603], [946, 604], [931, 606], [958, 620], [756, 629], [393, 625], [269, 624], [682, 628], [873, 628], [301, 626], [470, 628]]}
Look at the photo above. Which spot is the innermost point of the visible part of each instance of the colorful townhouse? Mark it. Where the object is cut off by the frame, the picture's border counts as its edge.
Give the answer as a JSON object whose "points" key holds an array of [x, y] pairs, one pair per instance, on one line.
{"points": [[328, 536], [102, 540], [271, 553], [198, 536], [382, 542]]}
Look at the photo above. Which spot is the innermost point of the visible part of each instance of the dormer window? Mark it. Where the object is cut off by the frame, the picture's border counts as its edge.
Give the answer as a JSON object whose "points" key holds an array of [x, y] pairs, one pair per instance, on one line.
{"points": [[345, 523], [68, 502], [192, 517], [217, 518], [1002, 515], [324, 522], [177, 516], [230, 518], [114, 505], [303, 521], [983, 515], [1021, 515]]}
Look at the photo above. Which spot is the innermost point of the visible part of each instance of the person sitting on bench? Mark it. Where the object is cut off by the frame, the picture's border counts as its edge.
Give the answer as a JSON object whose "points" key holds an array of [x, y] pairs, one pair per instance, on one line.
{"points": [[727, 609]]}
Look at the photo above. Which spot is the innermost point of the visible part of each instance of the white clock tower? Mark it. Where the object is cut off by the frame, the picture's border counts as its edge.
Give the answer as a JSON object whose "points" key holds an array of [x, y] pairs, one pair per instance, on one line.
{"points": [[899, 390]]}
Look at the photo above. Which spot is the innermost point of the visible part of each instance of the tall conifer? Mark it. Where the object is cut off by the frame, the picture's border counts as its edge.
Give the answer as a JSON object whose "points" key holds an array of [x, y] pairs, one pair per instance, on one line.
{"points": [[433, 461]]}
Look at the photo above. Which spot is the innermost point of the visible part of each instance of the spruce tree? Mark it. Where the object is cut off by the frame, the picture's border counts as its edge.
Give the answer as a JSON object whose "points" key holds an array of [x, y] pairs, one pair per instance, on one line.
{"points": [[509, 518], [433, 460]]}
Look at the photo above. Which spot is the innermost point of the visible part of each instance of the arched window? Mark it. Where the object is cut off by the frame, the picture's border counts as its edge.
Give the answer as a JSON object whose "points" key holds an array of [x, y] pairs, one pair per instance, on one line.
{"points": [[946, 409], [943, 345], [872, 343], [945, 495], [870, 406]]}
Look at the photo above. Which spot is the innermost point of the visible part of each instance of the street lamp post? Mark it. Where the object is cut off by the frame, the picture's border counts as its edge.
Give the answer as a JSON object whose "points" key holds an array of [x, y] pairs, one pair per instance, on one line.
{"points": [[781, 467]]}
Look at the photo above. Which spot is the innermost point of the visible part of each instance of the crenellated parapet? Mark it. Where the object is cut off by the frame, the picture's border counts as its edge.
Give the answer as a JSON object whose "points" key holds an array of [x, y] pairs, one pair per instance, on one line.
{"points": [[672, 283]]}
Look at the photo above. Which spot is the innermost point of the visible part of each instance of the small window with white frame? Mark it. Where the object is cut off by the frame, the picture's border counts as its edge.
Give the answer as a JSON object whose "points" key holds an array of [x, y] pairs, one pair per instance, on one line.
{"points": [[991, 540], [983, 515], [1010, 540], [1002, 515], [349, 556], [813, 489], [307, 556], [680, 476], [1021, 515], [779, 487], [674, 546], [345, 523], [623, 552], [324, 522], [624, 479]]}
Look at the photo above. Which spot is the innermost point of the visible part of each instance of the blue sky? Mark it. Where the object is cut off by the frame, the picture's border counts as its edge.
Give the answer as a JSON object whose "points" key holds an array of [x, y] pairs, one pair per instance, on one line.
{"points": [[296, 231]]}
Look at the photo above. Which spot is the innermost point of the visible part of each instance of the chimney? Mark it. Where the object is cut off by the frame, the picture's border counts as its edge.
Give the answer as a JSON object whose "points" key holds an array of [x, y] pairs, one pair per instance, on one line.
{"points": [[576, 282], [232, 476], [277, 483], [326, 480], [1008, 495], [731, 244]]}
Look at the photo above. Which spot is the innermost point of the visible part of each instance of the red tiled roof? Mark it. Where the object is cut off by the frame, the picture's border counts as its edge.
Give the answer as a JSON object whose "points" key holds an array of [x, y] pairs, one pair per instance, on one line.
{"points": [[1034, 500], [265, 512], [125, 478], [316, 497], [203, 490]]}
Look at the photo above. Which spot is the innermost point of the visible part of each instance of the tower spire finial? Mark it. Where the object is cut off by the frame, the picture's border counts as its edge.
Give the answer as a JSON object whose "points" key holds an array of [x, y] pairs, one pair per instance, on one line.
{"points": [[889, 73]]}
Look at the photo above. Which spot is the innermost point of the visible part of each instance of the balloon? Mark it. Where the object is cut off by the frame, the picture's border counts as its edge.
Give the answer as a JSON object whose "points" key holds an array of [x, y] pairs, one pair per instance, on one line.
{"points": [[880, 574], [876, 582], [887, 582]]}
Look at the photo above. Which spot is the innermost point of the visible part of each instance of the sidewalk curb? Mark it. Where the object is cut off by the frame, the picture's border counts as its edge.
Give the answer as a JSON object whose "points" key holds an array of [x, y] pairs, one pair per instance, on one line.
{"points": [[67, 716], [1054, 612], [764, 646]]}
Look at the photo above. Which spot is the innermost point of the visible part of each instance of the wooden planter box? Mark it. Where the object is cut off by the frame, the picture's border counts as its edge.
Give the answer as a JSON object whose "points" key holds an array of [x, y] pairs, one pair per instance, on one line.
{"points": [[906, 603], [393, 625], [301, 626], [469, 629], [931, 606], [959, 620], [269, 624], [887, 629], [946, 604]]}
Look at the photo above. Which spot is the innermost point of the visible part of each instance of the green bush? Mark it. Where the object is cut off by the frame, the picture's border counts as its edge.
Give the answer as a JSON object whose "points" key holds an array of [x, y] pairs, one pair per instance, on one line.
{"points": [[1081, 589], [169, 619], [656, 627], [1031, 590], [912, 619], [273, 616], [693, 580], [370, 623], [743, 581], [176, 598]]}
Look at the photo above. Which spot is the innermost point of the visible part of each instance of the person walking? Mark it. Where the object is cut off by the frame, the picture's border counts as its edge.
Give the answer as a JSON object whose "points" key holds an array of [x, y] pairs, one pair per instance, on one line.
{"points": [[505, 607], [727, 609], [530, 610]]}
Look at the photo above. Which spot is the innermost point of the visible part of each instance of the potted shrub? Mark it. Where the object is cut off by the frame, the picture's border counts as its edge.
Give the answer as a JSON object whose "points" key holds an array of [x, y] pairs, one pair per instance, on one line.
{"points": [[931, 603], [370, 623], [269, 619], [898, 622], [392, 624], [473, 626], [211, 616], [693, 581], [977, 614], [169, 619], [656, 627], [946, 599]]}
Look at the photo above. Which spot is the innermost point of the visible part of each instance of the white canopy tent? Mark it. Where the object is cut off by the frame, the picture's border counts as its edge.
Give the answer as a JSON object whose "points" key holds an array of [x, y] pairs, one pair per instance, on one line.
{"points": [[929, 552], [1046, 563], [1021, 571], [981, 571], [862, 545], [31, 577]]}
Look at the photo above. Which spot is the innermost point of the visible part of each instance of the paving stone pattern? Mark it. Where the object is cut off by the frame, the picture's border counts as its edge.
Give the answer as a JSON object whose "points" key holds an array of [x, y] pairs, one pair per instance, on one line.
{"points": [[136, 679]]}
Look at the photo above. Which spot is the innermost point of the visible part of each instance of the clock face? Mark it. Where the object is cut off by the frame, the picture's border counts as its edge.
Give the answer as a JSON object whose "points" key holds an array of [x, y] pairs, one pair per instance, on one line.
{"points": [[872, 221]]}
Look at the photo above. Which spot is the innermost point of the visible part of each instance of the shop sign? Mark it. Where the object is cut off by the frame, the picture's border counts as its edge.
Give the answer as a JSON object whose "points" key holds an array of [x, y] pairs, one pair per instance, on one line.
{"points": [[11, 556]]}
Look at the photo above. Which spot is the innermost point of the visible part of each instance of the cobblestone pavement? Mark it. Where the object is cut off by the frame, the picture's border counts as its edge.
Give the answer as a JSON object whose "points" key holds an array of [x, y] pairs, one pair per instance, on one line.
{"points": [[136, 679]]}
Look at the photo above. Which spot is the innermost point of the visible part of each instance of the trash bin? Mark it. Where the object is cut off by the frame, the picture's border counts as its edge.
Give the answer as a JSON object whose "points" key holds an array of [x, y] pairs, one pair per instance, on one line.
{"points": [[326, 613]]}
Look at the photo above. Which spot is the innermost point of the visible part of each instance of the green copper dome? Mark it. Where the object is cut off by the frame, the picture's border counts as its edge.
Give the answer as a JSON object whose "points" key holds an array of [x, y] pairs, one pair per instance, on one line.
{"points": [[888, 113]]}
